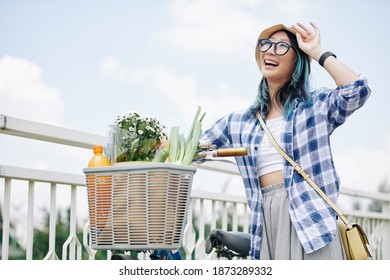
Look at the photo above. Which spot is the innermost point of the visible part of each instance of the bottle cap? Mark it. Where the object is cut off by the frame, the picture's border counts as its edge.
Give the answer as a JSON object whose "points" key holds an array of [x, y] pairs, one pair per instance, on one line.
{"points": [[98, 149]]}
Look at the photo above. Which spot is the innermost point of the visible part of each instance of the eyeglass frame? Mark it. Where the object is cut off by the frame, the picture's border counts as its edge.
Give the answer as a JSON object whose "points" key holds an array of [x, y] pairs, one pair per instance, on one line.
{"points": [[275, 47]]}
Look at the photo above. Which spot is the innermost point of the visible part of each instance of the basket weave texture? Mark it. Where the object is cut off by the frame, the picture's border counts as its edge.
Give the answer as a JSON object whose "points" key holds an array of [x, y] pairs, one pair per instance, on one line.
{"points": [[138, 207]]}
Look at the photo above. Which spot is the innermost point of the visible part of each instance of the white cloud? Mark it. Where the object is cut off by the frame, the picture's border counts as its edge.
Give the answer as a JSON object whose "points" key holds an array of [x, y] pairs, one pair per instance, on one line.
{"points": [[221, 27], [183, 94], [292, 8], [113, 69], [364, 168], [23, 94], [225, 27]]}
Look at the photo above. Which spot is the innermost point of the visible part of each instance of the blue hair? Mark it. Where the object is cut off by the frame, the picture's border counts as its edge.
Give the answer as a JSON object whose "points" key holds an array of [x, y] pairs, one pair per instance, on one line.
{"points": [[296, 88]]}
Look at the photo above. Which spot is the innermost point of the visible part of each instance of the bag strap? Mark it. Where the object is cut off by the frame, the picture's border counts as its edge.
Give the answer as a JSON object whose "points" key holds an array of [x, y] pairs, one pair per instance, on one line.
{"points": [[302, 172]]}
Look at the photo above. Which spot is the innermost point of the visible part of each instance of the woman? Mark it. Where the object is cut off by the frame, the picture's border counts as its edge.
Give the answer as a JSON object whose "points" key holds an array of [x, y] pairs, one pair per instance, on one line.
{"points": [[289, 219]]}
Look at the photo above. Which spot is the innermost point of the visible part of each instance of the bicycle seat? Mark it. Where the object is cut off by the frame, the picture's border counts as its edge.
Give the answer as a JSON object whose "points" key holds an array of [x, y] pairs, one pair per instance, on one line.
{"points": [[237, 241]]}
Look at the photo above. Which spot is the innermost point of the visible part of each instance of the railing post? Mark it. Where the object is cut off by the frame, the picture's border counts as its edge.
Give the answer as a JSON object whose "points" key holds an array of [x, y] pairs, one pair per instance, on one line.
{"points": [[51, 255], [234, 218], [224, 216], [6, 218], [386, 241], [72, 242], [213, 215], [91, 252], [30, 220], [189, 234], [201, 243]]}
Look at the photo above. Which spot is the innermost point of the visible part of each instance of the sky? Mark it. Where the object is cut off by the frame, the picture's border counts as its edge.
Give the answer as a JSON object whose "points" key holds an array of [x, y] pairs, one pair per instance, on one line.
{"points": [[79, 64]]}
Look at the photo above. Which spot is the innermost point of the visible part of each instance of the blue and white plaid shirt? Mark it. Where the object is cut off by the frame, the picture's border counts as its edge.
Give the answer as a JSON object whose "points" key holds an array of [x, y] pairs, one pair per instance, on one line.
{"points": [[306, 140]]}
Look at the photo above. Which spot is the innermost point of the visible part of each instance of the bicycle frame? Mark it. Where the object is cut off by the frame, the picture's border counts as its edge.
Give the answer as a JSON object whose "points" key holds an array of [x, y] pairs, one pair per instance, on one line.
{"points": [[154, 255], [205, 152]]}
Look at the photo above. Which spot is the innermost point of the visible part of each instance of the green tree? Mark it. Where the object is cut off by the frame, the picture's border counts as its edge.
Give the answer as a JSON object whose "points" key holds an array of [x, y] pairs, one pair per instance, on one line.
{"points": [[41, 237], [16, 252], [376, 205]]}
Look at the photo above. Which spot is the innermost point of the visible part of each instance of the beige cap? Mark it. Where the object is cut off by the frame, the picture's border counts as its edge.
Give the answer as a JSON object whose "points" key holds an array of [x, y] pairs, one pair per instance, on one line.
{"points": [[271, 30], [266, 33]]}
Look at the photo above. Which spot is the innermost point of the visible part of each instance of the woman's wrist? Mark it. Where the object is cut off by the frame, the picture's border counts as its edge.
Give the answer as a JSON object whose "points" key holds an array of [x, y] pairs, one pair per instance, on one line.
{"points": [[316, 53], [325, 56]]}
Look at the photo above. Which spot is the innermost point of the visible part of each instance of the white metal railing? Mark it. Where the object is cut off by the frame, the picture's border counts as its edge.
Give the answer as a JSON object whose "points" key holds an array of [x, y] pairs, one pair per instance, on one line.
{"points": [[214, 209], [219, 207]]}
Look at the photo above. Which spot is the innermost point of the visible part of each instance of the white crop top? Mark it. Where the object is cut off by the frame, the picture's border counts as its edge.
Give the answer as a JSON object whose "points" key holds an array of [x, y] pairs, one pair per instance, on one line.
{"points": [[268, 158]]}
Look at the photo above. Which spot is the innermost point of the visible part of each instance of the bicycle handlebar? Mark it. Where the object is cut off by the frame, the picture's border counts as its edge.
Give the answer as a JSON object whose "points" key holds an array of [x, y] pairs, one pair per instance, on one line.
{"points": [[208, 151], [231, 152]]}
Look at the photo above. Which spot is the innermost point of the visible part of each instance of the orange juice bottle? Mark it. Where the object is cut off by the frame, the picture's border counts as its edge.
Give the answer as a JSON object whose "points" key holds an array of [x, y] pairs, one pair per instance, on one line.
{"points": [[99, 190], [98, 159]]}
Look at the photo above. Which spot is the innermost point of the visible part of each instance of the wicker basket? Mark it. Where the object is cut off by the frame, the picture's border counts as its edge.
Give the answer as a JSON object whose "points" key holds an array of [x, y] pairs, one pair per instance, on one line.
{"points": [[138, 206]]}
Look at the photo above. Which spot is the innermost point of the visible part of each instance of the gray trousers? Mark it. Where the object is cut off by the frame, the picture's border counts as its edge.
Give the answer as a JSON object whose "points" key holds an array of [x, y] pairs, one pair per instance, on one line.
{"points": [[280, 240]]}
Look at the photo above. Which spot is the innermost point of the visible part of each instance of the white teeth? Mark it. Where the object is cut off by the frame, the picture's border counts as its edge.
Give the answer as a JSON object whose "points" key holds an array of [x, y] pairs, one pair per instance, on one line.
{"points": [[271, 62]]}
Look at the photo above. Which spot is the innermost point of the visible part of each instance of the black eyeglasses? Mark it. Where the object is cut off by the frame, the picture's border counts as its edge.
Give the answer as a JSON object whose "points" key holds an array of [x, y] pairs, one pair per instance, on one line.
{"points": [[281, 48]]}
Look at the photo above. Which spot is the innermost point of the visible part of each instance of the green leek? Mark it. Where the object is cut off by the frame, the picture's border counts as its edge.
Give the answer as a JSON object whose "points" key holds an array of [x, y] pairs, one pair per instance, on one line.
{"points": [[181, 150]]}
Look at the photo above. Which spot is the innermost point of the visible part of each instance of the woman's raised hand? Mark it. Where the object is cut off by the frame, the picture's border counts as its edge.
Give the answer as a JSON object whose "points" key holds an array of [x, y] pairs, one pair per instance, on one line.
{"points": [[309, 40]]}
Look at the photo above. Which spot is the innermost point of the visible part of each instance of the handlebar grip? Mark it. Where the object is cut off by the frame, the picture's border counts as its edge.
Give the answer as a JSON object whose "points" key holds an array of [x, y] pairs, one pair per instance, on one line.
{"points": [[228, 152]]}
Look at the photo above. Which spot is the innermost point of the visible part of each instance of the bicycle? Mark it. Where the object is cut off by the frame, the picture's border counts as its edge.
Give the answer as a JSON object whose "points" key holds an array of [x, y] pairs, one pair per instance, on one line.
{"points": [[228, 244], [110, 228]]}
